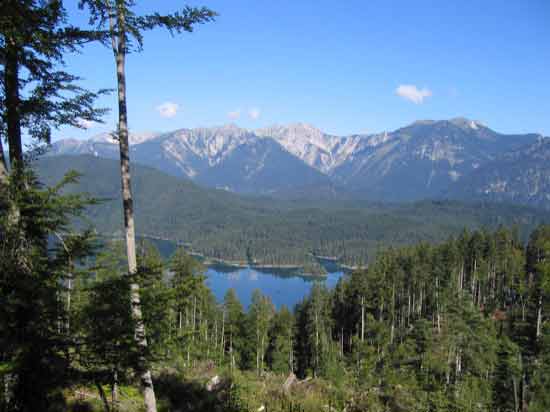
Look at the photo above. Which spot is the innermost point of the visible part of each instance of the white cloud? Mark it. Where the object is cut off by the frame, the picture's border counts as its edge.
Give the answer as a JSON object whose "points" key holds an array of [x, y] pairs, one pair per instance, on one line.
{"points": [[168, 109], [254, 113], [412, 93], [235, 114], [85, 124]]}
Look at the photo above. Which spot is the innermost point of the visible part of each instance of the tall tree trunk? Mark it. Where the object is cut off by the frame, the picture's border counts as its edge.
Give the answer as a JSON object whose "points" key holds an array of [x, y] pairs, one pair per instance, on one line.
{"points": [[13, 120], [362, 318], [119, 49], [223, 337], [262, 354], [437, 305], [194, 317], [103, 397], [69, 292], [290, 354], [516, 400], [114, 392], [13, 123], [539, 317], [3, 165], [316, 345], [257, 349]]}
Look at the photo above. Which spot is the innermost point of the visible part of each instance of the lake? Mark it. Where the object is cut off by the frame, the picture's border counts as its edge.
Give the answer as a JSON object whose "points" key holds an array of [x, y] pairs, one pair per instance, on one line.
{"points": [[283, 289]]}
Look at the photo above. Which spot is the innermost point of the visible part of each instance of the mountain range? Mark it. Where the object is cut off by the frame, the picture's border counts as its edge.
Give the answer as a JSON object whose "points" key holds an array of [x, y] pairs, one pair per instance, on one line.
{"points": [[456, 158]]}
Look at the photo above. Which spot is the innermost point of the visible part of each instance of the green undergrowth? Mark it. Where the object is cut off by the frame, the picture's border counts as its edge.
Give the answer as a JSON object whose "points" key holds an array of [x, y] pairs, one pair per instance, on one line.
{"points": [[237, 391]]}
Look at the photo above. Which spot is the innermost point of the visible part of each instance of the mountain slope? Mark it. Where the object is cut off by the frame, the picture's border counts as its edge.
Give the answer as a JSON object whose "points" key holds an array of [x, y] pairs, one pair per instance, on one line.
{"points": [[420, 161], [519, 176], [261, 167], [319, 150], [423, 159], [225, 157]]}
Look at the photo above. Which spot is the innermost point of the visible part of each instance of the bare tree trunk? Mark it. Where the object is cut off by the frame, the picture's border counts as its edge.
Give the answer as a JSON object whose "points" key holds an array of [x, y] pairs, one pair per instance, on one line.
{"points": [[13, 121], [362, 318], [103, 397], [119, 49], [114, 392], [437, 305], [194, 317], [342, 342], [3, 165], [257, 348], [262, 354], [539, 317], [516, 400], [290, 354], [316, 345], [223, 336], [69, 292], [392, 313]]}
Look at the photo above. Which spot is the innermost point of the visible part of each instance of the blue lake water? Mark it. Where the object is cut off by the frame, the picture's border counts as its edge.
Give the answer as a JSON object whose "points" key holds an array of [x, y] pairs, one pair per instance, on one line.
{"points": [[283, 289]]}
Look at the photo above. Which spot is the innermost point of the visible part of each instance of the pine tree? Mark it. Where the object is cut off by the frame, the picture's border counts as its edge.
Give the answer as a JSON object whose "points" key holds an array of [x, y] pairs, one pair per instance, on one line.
{"points": [[107, 353], [156, 297], [36, 257], [260, 313], [188, 290], [232, 327], [281, 342]]}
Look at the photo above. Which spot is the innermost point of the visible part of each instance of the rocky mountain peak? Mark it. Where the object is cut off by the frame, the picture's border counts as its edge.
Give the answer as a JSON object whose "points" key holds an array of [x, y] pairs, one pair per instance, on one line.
{"points": [[466, 123], [135, 138], [413, 162]]}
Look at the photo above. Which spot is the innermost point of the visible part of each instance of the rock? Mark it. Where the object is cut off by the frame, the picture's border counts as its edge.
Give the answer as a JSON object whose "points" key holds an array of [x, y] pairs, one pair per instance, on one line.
{"points": [[213, 383]]}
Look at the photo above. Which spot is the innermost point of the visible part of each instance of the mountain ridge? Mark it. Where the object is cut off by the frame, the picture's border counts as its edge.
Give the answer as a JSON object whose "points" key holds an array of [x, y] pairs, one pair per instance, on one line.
{"points": [[421, 160]]}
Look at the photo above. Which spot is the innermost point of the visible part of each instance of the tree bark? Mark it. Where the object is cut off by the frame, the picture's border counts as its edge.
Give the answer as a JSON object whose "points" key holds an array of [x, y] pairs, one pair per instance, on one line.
{"points": [[362, 318], [114, 392], [103, 397], [539, 317], [13, 120], [3, 165], [119, 49]]}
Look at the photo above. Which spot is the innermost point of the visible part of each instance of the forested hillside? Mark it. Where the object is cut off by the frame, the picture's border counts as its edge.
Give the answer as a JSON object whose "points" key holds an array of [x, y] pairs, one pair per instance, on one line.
{"points": [[224, 225]]}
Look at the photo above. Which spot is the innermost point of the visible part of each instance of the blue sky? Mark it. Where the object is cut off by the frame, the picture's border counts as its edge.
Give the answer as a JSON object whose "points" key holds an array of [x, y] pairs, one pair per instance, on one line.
{"points": [[343, 66]]}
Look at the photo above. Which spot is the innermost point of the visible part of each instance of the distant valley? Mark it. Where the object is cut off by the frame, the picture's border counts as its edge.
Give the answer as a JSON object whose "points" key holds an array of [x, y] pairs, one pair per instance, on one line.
{"points": [[226, 225], [457, 158]]}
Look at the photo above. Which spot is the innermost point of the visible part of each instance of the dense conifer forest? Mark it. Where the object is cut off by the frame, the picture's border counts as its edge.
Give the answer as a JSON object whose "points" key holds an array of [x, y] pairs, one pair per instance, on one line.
{"points": [[458, 326]]}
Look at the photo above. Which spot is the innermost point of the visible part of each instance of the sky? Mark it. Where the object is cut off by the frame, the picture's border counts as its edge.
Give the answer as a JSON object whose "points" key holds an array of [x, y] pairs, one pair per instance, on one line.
{"points": [[343, 66]]}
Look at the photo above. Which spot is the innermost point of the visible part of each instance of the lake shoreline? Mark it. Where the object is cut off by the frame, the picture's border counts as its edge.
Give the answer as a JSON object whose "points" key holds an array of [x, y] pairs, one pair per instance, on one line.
{"points": [[324, 264], [296, 270]]}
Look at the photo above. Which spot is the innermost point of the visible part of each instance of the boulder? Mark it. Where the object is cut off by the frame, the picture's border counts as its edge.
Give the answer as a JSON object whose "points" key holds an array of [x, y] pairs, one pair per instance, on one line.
{"points": [[213, 383]]}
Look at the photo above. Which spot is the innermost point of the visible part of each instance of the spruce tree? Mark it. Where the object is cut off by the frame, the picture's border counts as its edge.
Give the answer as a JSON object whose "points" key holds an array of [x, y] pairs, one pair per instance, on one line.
{"points": [[37, 254]]}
